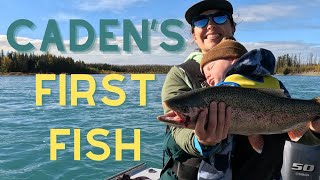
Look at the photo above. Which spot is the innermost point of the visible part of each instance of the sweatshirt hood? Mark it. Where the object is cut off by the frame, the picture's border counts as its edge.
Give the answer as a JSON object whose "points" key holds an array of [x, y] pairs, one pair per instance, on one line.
{"points": [[258, 62]]}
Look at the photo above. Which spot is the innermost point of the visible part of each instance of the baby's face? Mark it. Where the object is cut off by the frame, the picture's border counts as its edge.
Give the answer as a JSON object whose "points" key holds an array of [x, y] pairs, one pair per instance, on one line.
{"points": [[215, 71]]}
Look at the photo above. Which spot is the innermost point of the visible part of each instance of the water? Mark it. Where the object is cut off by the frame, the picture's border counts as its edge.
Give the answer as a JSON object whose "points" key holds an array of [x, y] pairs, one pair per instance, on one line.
{"points": [[25, 128]]}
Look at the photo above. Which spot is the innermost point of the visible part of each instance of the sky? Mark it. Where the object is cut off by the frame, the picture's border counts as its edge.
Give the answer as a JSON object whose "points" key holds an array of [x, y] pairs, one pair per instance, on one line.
{"points": [[284, 27]]}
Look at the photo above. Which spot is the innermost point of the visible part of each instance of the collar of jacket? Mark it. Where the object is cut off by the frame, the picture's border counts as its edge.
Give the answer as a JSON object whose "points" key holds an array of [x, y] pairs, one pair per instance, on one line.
{"points": [[197, 56]]}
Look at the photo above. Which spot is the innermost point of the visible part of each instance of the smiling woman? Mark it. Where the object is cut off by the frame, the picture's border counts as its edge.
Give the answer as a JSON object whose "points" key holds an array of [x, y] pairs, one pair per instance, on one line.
{"points": [[52, 35]]}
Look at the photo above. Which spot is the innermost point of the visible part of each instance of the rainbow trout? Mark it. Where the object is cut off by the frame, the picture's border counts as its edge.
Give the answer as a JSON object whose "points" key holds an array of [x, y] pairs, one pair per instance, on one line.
{"points": [[254, 111]]}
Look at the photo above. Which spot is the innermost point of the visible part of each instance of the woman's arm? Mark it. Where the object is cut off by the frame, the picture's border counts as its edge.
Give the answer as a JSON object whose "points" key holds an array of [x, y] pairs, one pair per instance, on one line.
{"points": [[212, 124], [175, 84]]}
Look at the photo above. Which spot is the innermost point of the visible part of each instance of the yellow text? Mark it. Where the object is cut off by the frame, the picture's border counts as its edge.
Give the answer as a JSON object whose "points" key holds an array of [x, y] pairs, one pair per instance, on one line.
{"points": [[119, 145], [88, 94]]}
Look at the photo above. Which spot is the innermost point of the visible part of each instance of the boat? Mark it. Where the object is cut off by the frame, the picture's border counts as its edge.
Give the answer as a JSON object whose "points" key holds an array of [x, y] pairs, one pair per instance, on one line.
{"points": [[137, 172]]}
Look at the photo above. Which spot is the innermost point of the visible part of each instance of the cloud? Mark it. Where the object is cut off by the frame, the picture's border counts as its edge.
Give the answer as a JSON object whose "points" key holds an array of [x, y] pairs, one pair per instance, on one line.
{"points": [[157, 55], [265, 12], [5, 46], [279, 48], [111, 5]]}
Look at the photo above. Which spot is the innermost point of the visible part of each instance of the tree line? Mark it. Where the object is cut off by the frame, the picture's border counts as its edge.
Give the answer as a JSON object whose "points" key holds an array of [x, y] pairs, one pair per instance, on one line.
{"points": [[294, 64], [48, 63], [45, 63]]}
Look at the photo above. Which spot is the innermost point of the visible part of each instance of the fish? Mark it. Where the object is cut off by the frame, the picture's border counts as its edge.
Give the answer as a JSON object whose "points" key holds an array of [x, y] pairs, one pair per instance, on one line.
{"points": [[254, 111]]}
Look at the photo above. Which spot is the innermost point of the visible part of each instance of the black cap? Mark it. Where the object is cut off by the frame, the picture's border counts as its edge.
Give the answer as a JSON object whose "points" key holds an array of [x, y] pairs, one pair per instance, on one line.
{"points": [[205, 5]]}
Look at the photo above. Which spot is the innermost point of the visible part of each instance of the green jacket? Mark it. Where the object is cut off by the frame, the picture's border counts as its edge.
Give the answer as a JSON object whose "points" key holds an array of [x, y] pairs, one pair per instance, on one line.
{"points": [[177, 83]]}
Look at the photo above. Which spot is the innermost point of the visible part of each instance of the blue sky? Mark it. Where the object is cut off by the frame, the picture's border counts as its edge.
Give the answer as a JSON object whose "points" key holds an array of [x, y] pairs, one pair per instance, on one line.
{"points": [[288, 26]]}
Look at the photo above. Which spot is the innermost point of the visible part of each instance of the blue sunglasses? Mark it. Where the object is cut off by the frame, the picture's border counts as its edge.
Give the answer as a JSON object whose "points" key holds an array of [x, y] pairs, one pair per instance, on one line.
{"points": [[203, 20]]}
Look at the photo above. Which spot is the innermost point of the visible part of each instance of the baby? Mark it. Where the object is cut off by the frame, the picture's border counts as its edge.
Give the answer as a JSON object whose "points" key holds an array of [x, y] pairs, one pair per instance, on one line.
{"points": [[217, 61]]}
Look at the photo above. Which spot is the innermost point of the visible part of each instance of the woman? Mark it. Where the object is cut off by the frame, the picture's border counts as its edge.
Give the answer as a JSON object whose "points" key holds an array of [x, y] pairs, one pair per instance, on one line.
{"points": [[185, 149]]}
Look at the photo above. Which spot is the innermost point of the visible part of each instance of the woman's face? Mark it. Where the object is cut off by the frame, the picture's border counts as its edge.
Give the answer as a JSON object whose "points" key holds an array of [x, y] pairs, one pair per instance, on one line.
{"points": [[210, 35]]}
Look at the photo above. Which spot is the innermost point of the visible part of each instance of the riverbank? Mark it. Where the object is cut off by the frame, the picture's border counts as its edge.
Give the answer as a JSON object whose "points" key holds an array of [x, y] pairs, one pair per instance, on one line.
{"points": [[310, 73], [16, 74]]}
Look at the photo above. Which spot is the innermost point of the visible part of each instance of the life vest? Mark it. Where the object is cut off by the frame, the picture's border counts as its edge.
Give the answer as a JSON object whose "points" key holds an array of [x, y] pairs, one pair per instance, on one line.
{"points": [[192, 70], [248, 82]]}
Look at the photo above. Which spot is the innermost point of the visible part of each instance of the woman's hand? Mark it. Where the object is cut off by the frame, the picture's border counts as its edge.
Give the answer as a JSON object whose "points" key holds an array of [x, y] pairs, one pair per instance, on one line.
{"points": [[212, 125]]}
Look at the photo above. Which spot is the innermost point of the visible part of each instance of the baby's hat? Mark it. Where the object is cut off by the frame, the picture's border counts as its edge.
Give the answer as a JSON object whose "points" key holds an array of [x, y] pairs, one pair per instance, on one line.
{"points": [[228, 48]]}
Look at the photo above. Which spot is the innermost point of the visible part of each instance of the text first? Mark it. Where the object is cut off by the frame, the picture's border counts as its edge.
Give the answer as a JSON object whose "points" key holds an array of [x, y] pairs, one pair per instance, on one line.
{"points": [[88, 95]]}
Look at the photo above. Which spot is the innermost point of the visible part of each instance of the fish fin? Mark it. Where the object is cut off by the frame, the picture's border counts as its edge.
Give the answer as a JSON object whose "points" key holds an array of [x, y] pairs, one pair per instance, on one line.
{"points": [[298, 132], [171, 117], [176, 119], [257, 142], [274, 92], [315, 126]]}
